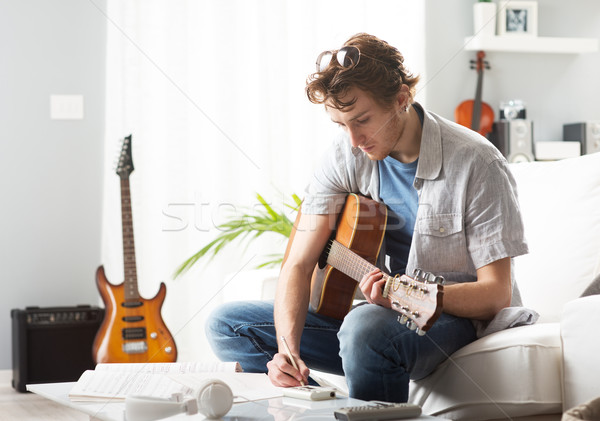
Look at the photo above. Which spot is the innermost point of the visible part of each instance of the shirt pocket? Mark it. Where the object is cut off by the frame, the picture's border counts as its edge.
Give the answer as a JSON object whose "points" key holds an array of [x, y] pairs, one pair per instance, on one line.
{"points": [[441, 242]]}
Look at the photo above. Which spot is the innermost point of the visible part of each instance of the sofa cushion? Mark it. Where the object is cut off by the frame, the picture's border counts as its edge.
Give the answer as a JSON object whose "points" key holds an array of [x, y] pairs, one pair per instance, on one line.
{"points": [[560, 204], [511, 373], [580, 344]]}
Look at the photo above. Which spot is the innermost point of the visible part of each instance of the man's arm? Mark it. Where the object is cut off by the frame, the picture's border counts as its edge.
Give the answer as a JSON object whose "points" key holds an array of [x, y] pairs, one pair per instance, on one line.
{"points": [[483, 299], [480, 300], [293, 294]]}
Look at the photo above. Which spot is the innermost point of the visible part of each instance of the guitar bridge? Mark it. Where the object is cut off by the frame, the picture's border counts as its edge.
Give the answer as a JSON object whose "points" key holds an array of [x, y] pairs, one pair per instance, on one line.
{"points": [[137, 347]]}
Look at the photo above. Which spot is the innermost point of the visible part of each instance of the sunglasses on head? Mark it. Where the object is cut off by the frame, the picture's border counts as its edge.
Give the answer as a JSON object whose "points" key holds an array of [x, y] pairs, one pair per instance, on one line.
{"points": [[347, 57]]}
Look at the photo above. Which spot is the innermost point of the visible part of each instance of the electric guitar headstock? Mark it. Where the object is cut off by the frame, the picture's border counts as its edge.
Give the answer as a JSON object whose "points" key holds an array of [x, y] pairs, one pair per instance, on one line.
{"points": [[417, 299], [125, 162]]}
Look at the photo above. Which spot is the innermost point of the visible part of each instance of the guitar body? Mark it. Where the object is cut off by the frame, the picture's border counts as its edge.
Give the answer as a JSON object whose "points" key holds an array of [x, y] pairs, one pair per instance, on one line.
{"points": [[360, 228], [132, 331]]}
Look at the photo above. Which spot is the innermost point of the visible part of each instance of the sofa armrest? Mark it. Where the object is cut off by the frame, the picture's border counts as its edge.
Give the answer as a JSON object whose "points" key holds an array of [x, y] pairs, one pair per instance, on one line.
{"points": [[581, 351]]}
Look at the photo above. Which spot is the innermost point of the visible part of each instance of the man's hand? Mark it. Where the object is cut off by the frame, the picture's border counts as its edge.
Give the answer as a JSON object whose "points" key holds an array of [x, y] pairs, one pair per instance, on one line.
{"points": [[371, 286], [283, 374]]}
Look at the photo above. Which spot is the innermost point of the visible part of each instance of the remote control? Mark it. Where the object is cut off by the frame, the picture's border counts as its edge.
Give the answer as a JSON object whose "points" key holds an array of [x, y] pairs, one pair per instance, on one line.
{"points": [[378, 411]]}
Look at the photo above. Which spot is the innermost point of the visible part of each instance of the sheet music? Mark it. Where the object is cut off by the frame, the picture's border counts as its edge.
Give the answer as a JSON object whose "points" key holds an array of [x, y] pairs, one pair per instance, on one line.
{"points": [[117, 385], [116, 381]]}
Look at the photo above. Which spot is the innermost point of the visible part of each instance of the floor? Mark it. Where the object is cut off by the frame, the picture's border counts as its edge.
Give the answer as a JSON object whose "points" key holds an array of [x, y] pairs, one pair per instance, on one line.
{"points": [[30, 407]]}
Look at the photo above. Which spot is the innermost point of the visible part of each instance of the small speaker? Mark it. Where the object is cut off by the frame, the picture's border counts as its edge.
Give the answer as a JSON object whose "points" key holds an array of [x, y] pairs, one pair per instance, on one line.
{"points": [[514, 139], [52, 344], [588, 133]]}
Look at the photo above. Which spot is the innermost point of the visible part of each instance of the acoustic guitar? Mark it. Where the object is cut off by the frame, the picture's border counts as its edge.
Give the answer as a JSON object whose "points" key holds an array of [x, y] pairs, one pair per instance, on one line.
{"points": [[133, 330], [352, 253]]}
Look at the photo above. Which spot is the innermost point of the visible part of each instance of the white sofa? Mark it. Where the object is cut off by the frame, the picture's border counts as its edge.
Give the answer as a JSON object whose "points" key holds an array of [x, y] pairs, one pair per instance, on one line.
{"points": [[553, 365], [519, 372]]}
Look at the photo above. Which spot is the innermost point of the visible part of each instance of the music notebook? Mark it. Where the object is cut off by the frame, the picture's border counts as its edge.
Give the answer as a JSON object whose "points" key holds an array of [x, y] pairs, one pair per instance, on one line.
{"points": [[116, 381]]}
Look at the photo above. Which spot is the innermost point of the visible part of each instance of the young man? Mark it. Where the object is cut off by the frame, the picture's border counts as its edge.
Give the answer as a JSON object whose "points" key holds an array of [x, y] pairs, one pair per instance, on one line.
{"points": [[453, 211]]}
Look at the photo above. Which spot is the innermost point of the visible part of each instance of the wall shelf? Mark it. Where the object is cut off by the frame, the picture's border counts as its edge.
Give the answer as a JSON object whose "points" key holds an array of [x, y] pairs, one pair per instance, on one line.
{"points": [[531, 44]]}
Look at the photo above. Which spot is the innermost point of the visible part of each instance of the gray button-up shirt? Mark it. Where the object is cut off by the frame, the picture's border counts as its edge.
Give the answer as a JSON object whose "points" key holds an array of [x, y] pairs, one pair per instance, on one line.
{"points": [[468, 214]]}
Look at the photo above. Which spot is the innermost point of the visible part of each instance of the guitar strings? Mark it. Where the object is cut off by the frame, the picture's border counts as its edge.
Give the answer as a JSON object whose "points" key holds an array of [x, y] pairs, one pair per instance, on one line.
{"points": [[347, 260]]}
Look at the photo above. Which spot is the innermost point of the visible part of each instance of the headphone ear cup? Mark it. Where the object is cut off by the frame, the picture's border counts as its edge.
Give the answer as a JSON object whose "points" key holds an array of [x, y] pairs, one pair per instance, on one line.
{"points": [[214, 398]]}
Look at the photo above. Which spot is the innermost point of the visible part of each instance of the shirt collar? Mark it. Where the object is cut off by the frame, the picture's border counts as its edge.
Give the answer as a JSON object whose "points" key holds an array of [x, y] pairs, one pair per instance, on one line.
{"points": [[430, 154]]}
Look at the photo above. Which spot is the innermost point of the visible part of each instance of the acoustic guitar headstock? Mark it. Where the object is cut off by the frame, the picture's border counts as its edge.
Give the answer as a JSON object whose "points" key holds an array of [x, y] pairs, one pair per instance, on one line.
{"points": [[417, 299]]}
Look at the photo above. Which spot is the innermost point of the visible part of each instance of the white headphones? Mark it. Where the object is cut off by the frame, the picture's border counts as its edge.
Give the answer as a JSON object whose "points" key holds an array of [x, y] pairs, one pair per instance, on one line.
{"points": [[213, 399]]}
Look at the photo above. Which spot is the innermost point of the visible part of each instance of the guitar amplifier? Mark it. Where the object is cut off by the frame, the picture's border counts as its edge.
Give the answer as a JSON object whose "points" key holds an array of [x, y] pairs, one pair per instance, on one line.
{"points": [[52, 344]]}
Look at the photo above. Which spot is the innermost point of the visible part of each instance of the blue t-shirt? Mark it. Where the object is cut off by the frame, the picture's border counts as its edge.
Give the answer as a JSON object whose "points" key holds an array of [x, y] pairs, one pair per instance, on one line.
{"points": [[397, 192]]}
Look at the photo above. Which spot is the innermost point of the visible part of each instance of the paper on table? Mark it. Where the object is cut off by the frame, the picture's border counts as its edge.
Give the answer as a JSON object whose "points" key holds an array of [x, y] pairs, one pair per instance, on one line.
{"points": [[109, 385], [245, 386], [116, 381], [182, 367]]}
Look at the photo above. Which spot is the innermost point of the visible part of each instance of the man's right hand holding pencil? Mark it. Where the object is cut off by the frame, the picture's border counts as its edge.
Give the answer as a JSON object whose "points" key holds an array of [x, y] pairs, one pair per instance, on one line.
{"points": [[287, 371]]}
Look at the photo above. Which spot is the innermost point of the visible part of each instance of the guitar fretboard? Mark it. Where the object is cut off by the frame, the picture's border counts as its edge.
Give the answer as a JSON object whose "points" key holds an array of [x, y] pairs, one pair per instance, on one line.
{"points": [[348, 262], [130, 282]]}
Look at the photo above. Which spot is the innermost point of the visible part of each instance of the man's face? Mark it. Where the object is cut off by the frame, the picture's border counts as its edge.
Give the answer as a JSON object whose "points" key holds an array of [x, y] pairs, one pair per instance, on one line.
{"points": [[372, 128]]}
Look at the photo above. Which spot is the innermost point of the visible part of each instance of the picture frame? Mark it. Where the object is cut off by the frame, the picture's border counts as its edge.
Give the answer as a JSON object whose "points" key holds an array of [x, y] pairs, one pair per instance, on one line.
{"points": [[517, 18]]}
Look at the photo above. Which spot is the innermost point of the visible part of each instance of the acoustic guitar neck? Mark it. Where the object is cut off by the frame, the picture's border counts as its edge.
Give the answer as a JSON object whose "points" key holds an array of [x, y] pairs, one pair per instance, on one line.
{"points": [[348, 262]]}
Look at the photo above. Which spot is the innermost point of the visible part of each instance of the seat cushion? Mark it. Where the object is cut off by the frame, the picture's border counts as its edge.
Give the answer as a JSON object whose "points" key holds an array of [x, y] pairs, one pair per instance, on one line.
{"points": [[493, 377], [581, 359]]}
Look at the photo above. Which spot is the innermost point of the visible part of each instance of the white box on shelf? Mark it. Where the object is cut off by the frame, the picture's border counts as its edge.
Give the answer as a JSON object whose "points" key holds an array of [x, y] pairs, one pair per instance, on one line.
{"points": [[551, 151]]}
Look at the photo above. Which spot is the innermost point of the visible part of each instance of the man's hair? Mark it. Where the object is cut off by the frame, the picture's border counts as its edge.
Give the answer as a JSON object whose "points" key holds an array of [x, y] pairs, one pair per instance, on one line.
{"points": [[380, 72]]}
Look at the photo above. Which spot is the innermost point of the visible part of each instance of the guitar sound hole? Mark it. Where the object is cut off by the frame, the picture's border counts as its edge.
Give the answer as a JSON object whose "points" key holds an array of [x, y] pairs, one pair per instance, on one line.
{"points": [[132, 318], [134, 333]]}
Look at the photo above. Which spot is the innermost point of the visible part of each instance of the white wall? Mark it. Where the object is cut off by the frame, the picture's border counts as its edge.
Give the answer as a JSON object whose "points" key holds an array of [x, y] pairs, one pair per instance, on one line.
{"points": [[50, 170], [558, 88]]}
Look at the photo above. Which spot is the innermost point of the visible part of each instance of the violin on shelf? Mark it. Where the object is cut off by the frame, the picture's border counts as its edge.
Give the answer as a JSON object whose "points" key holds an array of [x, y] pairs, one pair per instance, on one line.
{"points": [[474, 113]]}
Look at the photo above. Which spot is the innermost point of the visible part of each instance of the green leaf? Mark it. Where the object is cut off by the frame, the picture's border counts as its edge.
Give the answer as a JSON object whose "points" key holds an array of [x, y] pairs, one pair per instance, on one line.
{"points": [[244, 228]]}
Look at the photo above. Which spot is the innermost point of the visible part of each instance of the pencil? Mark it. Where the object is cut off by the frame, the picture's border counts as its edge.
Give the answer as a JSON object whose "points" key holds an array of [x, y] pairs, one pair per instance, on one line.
{"points": [[287, 350]]}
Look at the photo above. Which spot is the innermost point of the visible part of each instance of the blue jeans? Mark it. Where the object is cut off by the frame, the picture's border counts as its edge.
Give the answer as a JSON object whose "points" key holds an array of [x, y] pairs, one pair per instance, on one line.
{"points": [[377, 354]]}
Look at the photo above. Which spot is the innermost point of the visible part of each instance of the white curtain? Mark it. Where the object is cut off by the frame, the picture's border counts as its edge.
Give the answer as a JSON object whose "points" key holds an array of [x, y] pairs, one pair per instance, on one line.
{"points": [[213, 94]]}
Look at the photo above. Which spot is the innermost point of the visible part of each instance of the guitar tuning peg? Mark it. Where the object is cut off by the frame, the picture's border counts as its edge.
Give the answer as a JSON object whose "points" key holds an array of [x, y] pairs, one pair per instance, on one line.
{"points": [[439, 280], [420, 332], [402, 319], [411, 325], [417, 273]]}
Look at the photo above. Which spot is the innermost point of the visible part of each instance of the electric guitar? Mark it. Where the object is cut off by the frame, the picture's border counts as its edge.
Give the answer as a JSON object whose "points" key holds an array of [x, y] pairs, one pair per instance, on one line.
{"points": [[353, 253], [132, 330]]}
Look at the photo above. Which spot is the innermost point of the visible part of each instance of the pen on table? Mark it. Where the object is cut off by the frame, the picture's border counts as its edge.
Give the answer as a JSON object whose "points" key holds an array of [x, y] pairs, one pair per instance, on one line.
{"points": [[287, 350]]}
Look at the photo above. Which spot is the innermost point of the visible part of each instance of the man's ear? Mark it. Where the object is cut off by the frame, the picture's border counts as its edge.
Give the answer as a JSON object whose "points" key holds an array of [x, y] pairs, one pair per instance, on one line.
{"points": [[403, 98]]}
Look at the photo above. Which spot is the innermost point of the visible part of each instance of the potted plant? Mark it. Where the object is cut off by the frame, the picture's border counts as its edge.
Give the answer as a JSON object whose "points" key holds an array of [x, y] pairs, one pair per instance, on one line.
{"points": [[246, 227]]}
